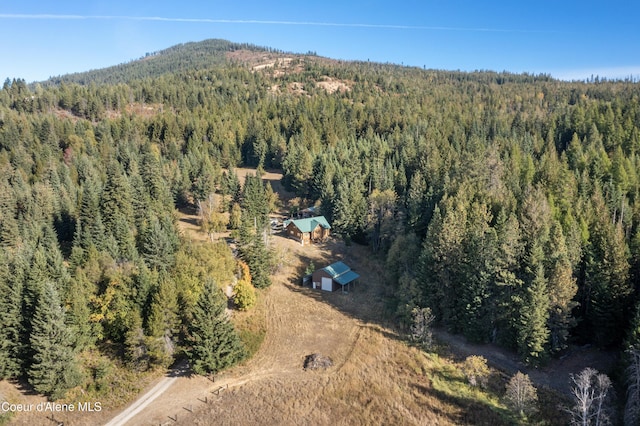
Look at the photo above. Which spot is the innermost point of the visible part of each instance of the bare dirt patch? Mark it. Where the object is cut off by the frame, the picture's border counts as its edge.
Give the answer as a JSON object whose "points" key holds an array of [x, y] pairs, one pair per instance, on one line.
{"points": [[189, 224], [272, 63], [331, 85], [272, 176]]}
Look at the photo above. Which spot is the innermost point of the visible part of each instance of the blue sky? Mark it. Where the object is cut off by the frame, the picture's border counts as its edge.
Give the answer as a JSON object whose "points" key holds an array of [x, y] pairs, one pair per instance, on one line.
{"points": [[567, 39]]}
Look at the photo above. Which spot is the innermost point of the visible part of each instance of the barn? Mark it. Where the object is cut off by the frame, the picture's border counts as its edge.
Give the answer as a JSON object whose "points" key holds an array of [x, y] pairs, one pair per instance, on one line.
{"points": [[307, 230], [333, 277]]}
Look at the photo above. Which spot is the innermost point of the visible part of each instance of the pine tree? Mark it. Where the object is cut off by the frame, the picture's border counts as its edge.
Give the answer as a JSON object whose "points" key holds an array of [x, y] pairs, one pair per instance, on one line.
{"points": [[254, 251], [533, 334], [163, 319], [11, 285], [607, 290], [117, 211], [90, 224], [158, 245], [81, 290], [508, 286], [53, 369], [562, 289], [477, 292], [9, 229], [253, 232], [213, 340], [254, 202], [135, 343], [442, 259]]}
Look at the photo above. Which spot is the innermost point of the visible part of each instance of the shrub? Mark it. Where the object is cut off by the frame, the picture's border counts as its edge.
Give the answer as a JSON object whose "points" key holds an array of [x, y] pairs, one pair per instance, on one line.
{"points": [[476, 370], [244, 295]]}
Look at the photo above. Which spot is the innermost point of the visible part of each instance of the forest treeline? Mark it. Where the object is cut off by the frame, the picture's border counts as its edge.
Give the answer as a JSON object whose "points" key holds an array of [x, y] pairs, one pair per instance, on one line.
{"points": [[508, 204]]}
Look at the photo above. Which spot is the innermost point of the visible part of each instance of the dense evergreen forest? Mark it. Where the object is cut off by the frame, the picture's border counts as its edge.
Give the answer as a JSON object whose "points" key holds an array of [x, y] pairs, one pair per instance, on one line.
{"points": [[508, 204]]}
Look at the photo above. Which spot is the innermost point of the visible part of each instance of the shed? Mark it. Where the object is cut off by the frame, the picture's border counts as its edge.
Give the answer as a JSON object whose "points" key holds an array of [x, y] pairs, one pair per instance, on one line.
{"points": [[307, 230], [335, 276]]}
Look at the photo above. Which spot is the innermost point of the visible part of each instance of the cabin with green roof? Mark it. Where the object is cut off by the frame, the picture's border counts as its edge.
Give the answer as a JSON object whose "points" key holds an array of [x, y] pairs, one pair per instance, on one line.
{"points": [[308, 230]]}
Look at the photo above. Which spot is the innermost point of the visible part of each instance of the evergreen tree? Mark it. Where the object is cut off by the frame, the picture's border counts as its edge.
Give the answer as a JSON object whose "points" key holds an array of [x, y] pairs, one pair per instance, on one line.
{"points": [[83, 330], [159, 245], [9, 229], [163, 316], [533, 334], [607, 291], [53, 369], [416, 194], [90, 230], [254, 251], [253, 232], [135, 344], [213, 340], [562, 289], [349, 206], [441, 260], [477, 292], [254, 202], [11, 285], [117, 211], [508, 286]]}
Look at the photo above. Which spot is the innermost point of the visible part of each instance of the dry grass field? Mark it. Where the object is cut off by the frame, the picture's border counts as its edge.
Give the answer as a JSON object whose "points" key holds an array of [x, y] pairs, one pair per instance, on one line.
{"points": [[376, 378]]}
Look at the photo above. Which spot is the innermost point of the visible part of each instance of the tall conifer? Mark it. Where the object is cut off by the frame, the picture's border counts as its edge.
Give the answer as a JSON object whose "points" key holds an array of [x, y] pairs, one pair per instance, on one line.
{"points": [[214, 342], [53, 369]]}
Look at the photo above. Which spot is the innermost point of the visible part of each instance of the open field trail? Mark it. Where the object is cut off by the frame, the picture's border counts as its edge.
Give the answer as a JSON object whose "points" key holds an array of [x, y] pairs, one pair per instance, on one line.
{"points": [[370, 381], [146, 399]]}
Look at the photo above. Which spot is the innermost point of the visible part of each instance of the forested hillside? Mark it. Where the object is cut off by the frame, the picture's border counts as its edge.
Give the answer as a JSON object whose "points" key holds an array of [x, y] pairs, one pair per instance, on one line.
{"points": [[508, 204]]}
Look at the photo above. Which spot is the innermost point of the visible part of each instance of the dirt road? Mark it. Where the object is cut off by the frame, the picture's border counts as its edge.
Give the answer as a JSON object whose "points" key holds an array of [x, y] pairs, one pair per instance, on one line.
{"points": [[555, 375], [141, 403]]}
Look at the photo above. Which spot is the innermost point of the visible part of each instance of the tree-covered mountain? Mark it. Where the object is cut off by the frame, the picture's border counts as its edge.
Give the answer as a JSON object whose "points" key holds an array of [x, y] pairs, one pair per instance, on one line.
{"points": [[183, 57], [507, 204]]}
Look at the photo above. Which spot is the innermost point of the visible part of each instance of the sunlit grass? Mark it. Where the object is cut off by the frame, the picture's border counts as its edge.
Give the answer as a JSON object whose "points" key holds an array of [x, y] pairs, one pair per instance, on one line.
{"points": [[5, 418], [251, 325]]}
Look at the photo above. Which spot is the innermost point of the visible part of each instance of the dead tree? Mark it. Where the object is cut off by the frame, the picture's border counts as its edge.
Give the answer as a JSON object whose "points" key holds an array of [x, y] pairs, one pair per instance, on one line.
{"points": [[591, 393]]}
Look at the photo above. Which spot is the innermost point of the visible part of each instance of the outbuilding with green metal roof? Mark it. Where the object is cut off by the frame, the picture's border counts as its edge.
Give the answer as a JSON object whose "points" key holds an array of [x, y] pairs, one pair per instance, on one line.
{"points": [[333, 277]]}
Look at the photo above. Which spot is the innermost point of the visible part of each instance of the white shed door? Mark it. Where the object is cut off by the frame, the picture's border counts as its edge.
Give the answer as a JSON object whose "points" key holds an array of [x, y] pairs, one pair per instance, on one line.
{"points": [[327, 284]]}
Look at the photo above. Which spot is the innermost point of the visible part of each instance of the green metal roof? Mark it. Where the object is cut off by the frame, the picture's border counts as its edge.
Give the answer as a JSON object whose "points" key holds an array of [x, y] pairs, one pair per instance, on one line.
{"points": [[336, 269], [311, 223], [341, 273], [346, 278]]}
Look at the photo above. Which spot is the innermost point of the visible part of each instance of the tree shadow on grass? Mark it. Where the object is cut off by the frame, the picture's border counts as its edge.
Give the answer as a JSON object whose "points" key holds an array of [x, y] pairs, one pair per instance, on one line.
{"points": [[364, 301], [24, 386], [471, 411]]}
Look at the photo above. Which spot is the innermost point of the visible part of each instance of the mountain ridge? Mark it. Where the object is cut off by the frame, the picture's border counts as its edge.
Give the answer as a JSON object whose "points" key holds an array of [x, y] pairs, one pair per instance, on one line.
{"points": [[180, 57], [209, 53]]}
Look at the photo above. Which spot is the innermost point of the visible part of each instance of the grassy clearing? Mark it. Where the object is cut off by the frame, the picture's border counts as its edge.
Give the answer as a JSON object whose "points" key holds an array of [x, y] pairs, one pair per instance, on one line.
{"points": [[480, 405], [486, 405], [251, 325]]}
